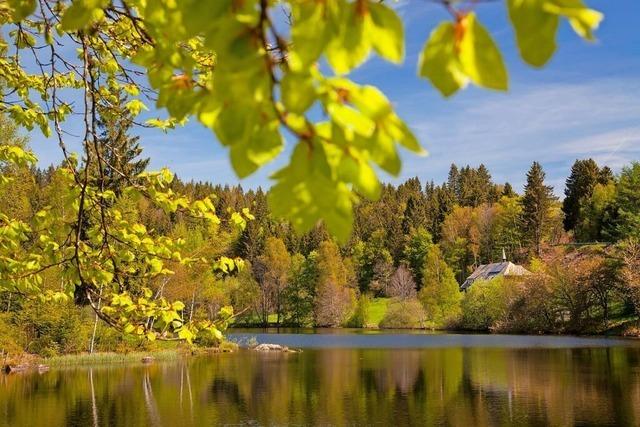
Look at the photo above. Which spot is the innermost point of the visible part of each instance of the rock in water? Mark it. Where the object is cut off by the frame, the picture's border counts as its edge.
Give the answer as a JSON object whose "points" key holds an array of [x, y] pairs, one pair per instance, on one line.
{"points": [[270, 347], [147, 359]]}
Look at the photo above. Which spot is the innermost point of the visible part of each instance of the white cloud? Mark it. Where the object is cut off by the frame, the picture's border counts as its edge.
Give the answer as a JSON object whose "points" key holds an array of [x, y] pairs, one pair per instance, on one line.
{"points": [[551, 123]]}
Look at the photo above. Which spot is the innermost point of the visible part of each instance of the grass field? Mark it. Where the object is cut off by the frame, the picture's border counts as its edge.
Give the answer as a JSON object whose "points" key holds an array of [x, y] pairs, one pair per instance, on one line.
{"points": [[376, 311]]}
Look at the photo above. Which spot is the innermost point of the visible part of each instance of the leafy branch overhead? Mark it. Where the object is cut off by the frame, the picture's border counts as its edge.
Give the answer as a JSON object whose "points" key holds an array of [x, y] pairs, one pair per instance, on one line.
{"points": [[258, 73], [252, 80]]}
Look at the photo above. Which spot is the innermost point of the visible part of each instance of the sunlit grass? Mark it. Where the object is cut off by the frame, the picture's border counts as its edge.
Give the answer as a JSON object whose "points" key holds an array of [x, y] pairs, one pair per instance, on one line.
{"points": [[376, 311], [109, 357]]}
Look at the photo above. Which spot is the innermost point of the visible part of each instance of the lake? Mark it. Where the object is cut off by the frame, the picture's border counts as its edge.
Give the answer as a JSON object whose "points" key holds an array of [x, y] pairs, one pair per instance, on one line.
{"points": [[346, 378]]}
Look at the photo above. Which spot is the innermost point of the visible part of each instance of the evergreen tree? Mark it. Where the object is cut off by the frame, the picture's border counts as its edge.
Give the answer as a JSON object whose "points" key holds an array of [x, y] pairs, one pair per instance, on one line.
{"points": [[507, 190], [453, 181], [414, 214], [605, 176], [120, 152], [585, 175], [626, 206], [536, 205], [418, 244]]}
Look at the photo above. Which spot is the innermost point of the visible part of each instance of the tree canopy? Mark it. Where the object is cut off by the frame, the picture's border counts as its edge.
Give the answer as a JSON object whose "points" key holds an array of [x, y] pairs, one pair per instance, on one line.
{"points": [[253, 71]]}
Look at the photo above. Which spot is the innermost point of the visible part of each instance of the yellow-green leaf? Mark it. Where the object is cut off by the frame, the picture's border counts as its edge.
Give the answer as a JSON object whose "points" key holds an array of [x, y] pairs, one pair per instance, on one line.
{"points": [[535, 30], [387, 32], [439, 62], [480, 57]]}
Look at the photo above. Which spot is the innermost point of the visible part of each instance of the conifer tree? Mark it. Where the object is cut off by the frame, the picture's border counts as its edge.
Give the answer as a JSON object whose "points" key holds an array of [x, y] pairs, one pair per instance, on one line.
{"points": [[120, 151], [536, 205], [585, 175], [507, 190]]}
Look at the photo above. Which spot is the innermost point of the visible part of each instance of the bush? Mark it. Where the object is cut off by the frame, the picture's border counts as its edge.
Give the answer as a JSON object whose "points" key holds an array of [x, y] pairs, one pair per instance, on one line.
{"points": [[10, 342], [53, 328], [485, 304], [359, 317], [404, 313], [109, 339]]}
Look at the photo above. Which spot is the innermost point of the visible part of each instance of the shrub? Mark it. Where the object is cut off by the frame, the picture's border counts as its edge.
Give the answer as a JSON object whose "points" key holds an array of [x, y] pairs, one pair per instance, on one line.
{"points": [[359, 317], [10, 342], [404, 313], [485, 303], [440, 294], [53, 328]]}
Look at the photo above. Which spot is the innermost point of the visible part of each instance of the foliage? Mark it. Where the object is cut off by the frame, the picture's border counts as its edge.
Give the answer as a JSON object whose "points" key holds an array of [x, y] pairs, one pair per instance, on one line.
{"points": [[275, 270], [440, 293], [301, 292], [595, 213], [373, 263], [91, 240], [585, 175], [359, 317], [52, 329], [404, 313], [626, 206], [11, 339], [232, 67], [536, 207], [629, 254], [485, 303], [335, 297], [416, 249]]}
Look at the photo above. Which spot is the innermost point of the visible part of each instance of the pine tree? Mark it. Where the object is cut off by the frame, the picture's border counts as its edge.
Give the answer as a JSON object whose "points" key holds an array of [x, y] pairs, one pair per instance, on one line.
{"points": [[453, 181], [507, 190], [585, 175], [120, 152], [536, 205]]}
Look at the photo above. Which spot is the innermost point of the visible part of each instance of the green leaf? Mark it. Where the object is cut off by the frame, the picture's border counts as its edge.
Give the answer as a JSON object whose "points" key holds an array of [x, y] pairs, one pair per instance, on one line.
{"points": [[583, 20], [20, 9], [362, 175], [480, 57], [155, 265], [351, 46], [262, 146], [135, 106], [536, 25], [83, 13], [185, 334], [309, 33], [535, 30], [298, 93], [439, 61], [387, 32], [350, 118]]}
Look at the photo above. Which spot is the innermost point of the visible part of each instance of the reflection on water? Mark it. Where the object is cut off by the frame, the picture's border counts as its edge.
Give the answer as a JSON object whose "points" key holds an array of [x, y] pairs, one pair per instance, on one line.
{"points": [[339, 386]]}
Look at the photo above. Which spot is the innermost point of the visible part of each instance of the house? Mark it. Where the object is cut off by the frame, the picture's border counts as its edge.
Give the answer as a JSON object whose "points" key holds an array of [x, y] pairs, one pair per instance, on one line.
{"points": [[489, 271]]}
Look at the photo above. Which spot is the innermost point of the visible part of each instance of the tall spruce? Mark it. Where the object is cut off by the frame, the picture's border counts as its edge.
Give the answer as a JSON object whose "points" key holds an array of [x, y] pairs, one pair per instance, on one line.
{"points": [[585, 175], [536, 205], [507, 190], [120, 151]]}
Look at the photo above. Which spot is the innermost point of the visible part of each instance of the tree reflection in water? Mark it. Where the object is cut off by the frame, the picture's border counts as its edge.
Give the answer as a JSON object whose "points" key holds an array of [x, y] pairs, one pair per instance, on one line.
{"points": [[454, 386]]}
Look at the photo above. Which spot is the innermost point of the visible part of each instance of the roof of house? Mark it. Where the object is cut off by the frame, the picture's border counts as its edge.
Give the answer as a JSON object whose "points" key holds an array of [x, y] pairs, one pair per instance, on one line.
{"points": [[489, 271]]}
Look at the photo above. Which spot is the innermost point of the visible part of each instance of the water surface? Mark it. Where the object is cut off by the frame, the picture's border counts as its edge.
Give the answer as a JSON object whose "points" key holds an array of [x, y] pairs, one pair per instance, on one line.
{"points": [[349, 379]]}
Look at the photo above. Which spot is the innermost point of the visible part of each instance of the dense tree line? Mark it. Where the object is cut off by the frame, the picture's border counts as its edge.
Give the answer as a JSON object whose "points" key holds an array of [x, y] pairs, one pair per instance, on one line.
{"points": [[410, 249]]}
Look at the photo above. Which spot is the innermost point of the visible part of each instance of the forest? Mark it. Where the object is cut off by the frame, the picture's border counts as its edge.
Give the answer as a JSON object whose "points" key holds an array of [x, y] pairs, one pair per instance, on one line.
{"points": [[99, 253], [401, 267]]}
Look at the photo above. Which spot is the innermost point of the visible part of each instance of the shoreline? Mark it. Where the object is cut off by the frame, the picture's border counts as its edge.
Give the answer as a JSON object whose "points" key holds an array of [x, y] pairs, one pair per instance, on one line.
{"points": [[32, 363]]}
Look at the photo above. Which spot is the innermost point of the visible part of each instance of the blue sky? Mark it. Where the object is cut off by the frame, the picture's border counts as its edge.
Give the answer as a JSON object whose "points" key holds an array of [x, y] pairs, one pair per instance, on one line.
{"points": [[584, 103]]}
